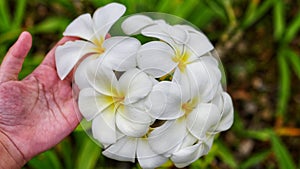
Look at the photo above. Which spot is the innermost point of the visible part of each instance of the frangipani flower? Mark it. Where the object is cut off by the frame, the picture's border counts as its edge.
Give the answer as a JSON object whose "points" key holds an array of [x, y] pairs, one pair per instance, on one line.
{"points": [[92, 32], [189, 122], [182, 52], [114, 104], [154, 102]]}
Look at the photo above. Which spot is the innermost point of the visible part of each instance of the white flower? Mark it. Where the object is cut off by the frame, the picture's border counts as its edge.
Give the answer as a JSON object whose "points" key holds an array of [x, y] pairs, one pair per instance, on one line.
{"points": [[190, 124], [92, 31], [115, 105], [182, 52], [129, 148]]}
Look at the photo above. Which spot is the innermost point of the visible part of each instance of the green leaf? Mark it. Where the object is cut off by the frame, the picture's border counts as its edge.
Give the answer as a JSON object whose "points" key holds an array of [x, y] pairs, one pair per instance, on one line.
{"points": [[4, 16], [65, 150], [283, 157], [284, 85], [46, 160], [186, 8], [225, 154], [88, 154], [292, 29], [294, 60], [218, 8], [255, 11], [279, 19], [19, 13], [255, 159]]}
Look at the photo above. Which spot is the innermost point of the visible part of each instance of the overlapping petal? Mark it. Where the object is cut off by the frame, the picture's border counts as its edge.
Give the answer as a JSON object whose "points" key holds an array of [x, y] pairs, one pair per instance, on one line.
{"points": [[155, 58], [172, 132], [147, 157], [104, 128], [202, 118], [102, 79], [134, 24], [120, 52], [123, 150], [132, 122], [135, 85], [164, 102], [69, 54], [91, 103]]}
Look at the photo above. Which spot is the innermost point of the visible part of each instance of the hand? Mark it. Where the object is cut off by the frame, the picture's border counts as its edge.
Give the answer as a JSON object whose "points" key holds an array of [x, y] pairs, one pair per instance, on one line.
{"points": [[37, 112]]}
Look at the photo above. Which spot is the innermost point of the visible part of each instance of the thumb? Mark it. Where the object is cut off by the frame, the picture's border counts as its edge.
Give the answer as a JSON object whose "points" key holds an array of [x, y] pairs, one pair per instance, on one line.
{"points": [[12, 62]]}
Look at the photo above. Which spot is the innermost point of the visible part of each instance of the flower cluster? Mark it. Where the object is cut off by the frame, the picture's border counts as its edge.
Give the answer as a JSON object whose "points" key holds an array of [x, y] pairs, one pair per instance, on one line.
{"points": [[157, 101]]}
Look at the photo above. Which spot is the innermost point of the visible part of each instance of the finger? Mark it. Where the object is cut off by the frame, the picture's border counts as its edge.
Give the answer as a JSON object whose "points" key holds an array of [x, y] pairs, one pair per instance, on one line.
{"points": [[12, 62]]}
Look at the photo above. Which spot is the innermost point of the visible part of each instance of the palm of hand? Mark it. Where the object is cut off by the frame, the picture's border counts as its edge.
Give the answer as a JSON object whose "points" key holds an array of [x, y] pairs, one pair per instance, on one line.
{"points": [[37, 112]]}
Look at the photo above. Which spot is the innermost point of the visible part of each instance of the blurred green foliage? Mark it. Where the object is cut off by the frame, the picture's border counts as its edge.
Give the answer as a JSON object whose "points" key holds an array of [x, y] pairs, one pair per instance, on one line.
{"points": [[225, 22]]}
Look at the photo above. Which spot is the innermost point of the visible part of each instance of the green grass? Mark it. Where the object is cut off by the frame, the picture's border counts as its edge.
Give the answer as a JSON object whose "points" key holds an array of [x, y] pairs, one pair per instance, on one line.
{"points": [[224, 22]]}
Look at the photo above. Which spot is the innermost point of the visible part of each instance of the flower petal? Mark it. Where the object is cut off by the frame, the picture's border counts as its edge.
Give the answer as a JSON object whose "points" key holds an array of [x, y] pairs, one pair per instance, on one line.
{"points": [[91, 103], [135, 23], [204, 78], [155, 58], [199, 44], [123, 150], [135, 85], [202, 118], [80, 76], [186, 156], [67, 55], [106, 16], [172, 132], [227, 114], [170, 34], [104, 128], [102, 79], [132, 122], [120, 52], [146, 157], [164, 101], [81, 27]]}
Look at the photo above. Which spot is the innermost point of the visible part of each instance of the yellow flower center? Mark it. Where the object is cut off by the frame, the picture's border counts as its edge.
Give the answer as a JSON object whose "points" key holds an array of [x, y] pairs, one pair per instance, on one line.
{"points": [[99, 45], [188, 107], [182, 59]]}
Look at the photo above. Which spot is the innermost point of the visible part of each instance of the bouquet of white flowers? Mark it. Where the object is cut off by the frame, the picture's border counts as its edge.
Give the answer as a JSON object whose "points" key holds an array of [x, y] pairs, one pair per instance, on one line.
{"points": [[152, 101]]}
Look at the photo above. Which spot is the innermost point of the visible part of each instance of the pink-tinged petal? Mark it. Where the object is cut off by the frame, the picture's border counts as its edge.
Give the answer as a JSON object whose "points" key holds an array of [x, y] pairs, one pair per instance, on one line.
{"points": [[134, 123], [91, 103], [67, 55], [106, 16], [164, 101], [202, 118], [135, 85], [123, 150], [146, 157], [172, 132], [135, 23], [120, 52], [227, 114], [104, 128], [199, 44], [155, 58], [102, 79], [81, 27]]}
